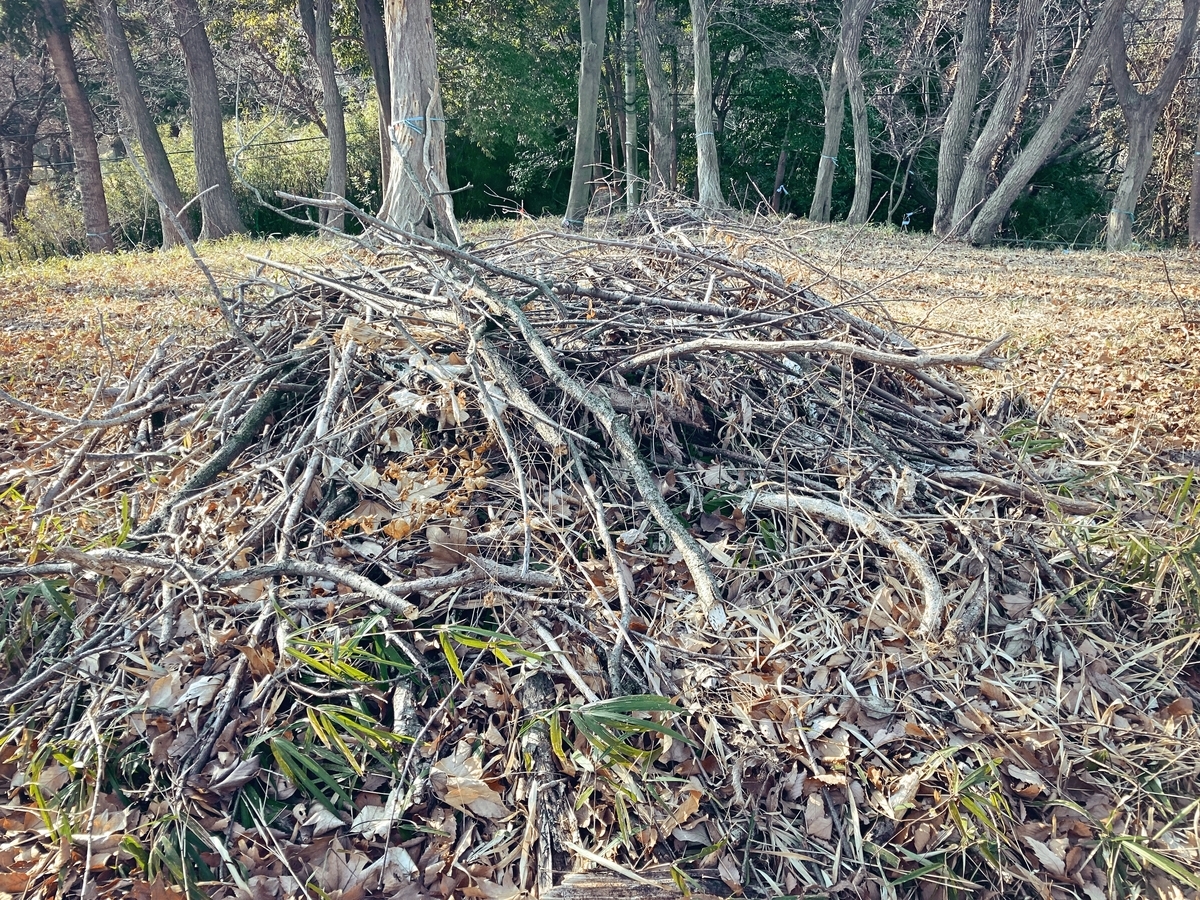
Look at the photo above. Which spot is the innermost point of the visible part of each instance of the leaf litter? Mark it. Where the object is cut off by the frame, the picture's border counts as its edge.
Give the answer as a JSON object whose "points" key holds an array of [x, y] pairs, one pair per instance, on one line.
{"points": [[462, 570]]}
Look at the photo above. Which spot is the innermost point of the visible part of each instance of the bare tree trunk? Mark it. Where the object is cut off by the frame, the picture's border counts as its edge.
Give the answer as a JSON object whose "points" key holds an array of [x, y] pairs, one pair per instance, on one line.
{"points": [[1194, 195], [978, 166], [1142, 112], [16, 158], [854, 16], [662, 137], [631, 131], [708, 173], [780, 174], [133, 108], [962, 109], [417, 196], [57, 34], [860, 206], [317, 20], [674, 184], [370, 17], [1044, 140], [218, 207], [593, 17]]}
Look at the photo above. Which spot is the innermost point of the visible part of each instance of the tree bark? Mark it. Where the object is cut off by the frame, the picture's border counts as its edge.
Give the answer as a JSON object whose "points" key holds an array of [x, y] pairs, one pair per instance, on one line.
{"points": [[708, 172], [370, 17], [317, 20], [1044, 140], [979, 162], [17, 160], [57, 34], [860, 206], [780, 174], [962, 109], [853, 18], [1142, 112], [662, 136], [593, 18], [133, 108], [417, 196], [218, 207], [631, 131]]}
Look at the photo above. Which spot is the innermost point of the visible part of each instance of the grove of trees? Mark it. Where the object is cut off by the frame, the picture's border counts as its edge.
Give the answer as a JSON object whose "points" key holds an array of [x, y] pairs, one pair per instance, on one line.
{"points": [[1030, 120]]}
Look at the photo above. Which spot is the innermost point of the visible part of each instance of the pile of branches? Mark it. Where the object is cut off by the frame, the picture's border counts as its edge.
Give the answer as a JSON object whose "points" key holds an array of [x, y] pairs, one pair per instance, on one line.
{"points": [[455, 570]]}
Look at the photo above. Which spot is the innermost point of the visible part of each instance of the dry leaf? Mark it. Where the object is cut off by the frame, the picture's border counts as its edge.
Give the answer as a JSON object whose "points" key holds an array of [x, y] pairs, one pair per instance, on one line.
{"points": [[459, 781], [816, 822]]}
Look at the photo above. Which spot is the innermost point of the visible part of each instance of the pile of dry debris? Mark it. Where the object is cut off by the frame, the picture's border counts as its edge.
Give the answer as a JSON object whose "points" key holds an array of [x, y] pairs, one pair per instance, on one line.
{"points": [[459, 569]]}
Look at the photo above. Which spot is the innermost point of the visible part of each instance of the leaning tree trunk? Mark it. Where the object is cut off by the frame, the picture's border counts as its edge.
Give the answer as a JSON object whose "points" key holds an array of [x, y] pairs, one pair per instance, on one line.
{"points": [[854, 15], [593, 19], [962, 110], [860, 207], [1044, 140], [1142, 112], [978, 165], [218, 207], [708, 172], [370, 17], [318, 25], [133, 108], [417, 196], [631, 148], [662, 136], [57, 34]]}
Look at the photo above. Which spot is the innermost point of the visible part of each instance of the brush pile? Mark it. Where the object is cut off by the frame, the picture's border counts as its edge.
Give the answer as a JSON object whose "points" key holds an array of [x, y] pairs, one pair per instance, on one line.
{"points": [[457, 570]]}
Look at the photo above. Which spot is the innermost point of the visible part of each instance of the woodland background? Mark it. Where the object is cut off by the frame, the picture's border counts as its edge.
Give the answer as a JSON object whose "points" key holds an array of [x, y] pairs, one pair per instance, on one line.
{"points": [[509, 74]]}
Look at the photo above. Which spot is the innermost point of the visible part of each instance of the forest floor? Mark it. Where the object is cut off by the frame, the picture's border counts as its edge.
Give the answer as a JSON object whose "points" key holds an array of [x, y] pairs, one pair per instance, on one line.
{"points": [[1113, 337]]}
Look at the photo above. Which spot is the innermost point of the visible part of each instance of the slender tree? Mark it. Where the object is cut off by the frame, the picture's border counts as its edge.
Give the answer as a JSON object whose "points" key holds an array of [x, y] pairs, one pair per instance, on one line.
{"points": [[1045, 139], [593, 19], [961, 111], [662, 134], [860, 206], [317, 20], [374, 33], [853, 18], [133, 108], [1142, 112], [708, 172], [219, 211], [978, 166], [631, 131], [417, 197], [55, 30]]}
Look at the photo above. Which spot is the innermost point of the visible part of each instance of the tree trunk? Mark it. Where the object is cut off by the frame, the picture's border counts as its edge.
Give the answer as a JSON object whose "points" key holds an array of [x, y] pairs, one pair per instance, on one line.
{"points": [[1142, 112], [674, 183], [16, 158], [860, 207], [662, 138], [854, 16], [708, 173], [978, 165], [1194, 195], [218, 207], [780, 174], [133, 108], [417, 196], [962, 110], [370, 17], [631, 131], [1044, 140], [317, 20], [57, 34], [593, 18]]}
